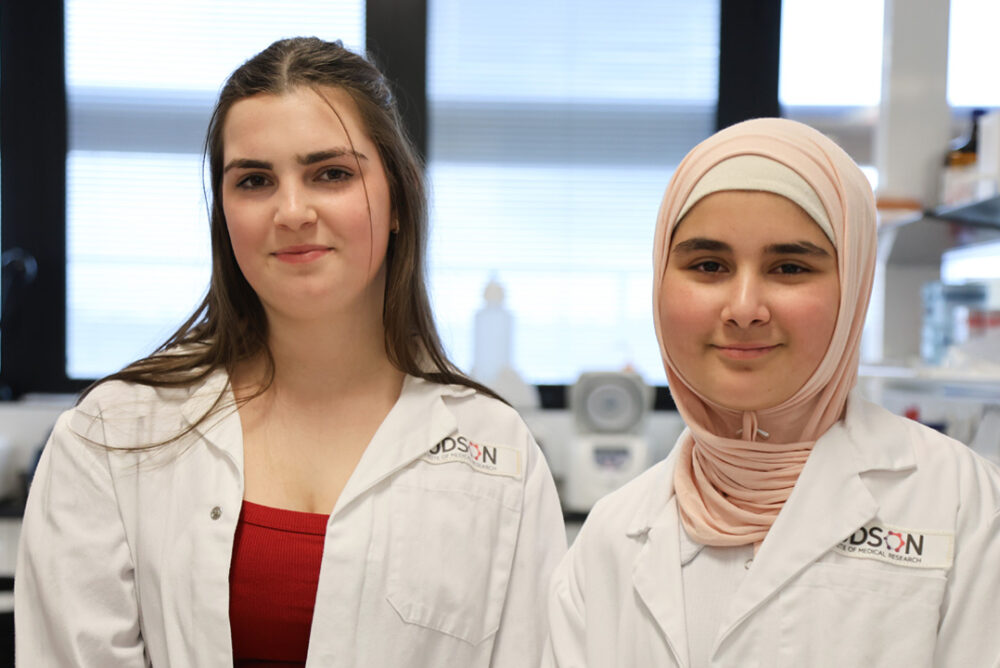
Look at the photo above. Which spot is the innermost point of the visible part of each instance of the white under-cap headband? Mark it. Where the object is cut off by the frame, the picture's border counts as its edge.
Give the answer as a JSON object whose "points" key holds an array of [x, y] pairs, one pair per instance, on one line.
{"points": [[755, 172]]}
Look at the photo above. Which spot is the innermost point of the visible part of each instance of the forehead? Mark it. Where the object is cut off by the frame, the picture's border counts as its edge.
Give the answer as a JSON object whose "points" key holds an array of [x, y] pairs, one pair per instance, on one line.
{"points": [[315, 114], [742, 216]]}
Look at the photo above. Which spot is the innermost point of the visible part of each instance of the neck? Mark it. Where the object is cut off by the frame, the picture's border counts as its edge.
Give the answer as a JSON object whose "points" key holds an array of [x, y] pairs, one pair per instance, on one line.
{"points": [[793, 422], [319, 359]]}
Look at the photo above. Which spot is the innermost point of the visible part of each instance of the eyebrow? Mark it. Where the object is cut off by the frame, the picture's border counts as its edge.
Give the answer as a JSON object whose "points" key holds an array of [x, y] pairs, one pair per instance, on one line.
{"points": [[308, 159], [797, 248], [697, 244]]}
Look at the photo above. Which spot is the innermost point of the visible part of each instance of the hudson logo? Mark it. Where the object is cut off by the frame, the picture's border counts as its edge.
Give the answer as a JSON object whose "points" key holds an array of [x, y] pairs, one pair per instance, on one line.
{"points": [[480, 453], [491, 459], [918, 549]]}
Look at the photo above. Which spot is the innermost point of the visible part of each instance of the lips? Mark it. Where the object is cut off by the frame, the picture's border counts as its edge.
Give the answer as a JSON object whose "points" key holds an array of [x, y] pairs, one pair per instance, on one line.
{"points": [[745, 351], [301, 253]]}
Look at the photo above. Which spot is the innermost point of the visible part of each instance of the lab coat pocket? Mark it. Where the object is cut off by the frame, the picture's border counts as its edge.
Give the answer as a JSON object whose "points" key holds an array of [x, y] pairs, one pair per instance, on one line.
{"points": [[451, 552], [837, 615]]}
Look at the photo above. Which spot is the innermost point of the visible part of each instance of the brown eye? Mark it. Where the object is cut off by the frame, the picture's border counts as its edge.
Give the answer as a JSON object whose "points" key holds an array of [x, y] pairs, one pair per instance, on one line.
{"points": [[252, 181], [708, 267], [334, 174]]}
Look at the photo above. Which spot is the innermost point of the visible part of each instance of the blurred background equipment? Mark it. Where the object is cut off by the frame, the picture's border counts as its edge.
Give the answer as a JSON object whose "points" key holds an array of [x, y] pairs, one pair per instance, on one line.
{"points": [[610, 446]]}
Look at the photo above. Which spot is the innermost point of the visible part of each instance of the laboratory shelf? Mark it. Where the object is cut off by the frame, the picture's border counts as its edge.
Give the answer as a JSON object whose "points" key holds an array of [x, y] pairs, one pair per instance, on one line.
{"points": [[984, 213], [982, 385]]}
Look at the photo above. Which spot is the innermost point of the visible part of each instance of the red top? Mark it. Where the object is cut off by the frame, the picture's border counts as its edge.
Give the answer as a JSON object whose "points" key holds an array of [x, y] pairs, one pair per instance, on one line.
{"points": [[272, 585]]}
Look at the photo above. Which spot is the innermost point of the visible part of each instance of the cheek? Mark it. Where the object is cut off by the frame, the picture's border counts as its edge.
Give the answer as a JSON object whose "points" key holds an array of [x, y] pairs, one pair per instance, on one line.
{"points": [[237, 237], [683, 316], [243, 236], [815, 318], [352, 221]]}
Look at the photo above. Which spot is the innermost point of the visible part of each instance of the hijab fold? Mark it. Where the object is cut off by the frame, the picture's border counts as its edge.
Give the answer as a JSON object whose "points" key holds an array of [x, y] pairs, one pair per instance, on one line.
{"points": [[737, 468]]}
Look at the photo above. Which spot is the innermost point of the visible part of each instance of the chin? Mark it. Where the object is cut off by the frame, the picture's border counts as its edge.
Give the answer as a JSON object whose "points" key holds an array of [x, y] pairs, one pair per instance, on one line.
{"points": [[740, 399], [749, 406]]}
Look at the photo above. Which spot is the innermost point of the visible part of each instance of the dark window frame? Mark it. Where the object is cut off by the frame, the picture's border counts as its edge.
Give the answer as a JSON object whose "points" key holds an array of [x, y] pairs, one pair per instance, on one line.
{"points": [[33, 187], [33, 145]]}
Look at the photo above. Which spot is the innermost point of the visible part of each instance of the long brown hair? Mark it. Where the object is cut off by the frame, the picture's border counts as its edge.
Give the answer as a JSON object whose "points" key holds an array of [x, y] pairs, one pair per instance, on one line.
{"points": [[230, 326]]}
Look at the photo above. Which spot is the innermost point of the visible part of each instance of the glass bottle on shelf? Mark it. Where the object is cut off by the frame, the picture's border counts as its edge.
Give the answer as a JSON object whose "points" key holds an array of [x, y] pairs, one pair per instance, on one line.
{"points": [[960, 176], [493, 331]]}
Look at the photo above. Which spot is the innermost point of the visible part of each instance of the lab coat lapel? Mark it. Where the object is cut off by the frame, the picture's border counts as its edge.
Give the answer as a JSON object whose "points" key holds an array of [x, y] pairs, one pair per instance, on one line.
{"points": [[417, 421], [656, 573], [829, 502], [221, 428]]}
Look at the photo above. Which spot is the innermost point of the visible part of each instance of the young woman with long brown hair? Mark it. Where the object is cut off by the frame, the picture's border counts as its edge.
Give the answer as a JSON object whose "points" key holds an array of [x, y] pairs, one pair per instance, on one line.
{"points": [[298, 476]]}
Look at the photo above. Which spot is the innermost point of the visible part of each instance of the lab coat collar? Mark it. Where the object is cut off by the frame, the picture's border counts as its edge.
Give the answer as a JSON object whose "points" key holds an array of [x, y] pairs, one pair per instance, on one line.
{"points": [[417, 421], [656, 573], [221, 426], [689, 547], [202, 398], [829, 502], [652, 511], [867, 423]]}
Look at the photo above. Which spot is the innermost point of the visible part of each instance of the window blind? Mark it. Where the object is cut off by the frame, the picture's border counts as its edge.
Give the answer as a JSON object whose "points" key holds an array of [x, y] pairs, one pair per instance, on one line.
{"points": [[554, 128]]}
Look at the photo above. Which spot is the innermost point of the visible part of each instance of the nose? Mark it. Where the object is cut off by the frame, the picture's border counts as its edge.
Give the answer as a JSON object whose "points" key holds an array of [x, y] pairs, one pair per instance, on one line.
{"points": [[293, 207], [746, 303]]}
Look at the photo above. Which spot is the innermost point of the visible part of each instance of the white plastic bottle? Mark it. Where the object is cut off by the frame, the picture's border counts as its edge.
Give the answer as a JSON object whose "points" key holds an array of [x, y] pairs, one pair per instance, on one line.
{"points": [[494, 328]]}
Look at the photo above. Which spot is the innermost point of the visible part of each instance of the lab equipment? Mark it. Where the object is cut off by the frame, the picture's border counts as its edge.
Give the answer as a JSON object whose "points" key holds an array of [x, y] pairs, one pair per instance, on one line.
{"points": [[610, 447]]}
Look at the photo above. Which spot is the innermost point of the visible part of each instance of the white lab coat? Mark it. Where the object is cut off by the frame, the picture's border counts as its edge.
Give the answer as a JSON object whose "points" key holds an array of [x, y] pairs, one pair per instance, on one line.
{"points": [[617, 599], [429, 559]]}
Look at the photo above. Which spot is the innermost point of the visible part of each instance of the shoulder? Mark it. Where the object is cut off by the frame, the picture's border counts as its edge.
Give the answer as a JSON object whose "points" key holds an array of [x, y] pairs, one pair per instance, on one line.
{"points": [[632, 509], [638, 501], [483, 416], [458, 425], [123, 414], [114, 395], [942, 463]]}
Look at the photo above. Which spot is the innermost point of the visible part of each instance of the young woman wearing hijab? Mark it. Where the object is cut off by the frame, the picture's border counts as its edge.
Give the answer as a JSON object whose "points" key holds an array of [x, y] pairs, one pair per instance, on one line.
{"points": [[299, 476], [794, 523]]}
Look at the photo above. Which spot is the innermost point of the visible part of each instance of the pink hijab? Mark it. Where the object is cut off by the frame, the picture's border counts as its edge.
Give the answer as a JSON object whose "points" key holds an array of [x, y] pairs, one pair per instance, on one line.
{"points": [[731, 488]]}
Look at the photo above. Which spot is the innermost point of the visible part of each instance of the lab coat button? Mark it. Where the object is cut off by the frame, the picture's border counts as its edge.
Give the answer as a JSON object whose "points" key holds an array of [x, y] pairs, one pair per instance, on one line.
{"points": [[216, 513], [746, 565]]}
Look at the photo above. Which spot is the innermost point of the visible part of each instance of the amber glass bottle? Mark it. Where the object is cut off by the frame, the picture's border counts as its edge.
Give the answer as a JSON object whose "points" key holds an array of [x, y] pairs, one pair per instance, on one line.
{"points": [[963, 150]]}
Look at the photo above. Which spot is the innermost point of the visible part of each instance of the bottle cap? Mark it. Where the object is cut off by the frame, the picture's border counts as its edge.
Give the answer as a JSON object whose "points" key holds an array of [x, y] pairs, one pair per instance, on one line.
{"points": [[493, 294]]}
